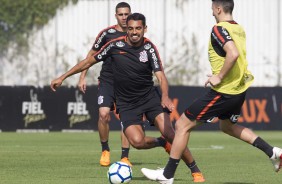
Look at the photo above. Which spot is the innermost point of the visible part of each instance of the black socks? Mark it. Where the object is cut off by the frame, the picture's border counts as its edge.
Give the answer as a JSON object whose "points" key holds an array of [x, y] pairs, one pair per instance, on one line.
{"points": [[264, 146], [124, 152], [193, 167], [171, 168], [161, 141], [105, 146]]}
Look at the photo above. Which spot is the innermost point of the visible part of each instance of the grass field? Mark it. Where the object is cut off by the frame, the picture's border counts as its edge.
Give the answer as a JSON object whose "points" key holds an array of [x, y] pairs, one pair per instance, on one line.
{"points": [[73, 158]]}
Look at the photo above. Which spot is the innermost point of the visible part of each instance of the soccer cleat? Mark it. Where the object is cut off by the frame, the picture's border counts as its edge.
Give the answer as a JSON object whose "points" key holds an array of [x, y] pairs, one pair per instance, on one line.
{"points": [[198, 177], [156, 175], [276, 159], [126, 160], [105, 158], [167, 146]]}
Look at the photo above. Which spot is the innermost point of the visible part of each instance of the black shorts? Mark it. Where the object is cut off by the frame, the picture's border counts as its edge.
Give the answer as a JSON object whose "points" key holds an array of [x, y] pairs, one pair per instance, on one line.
{"points": [[214, 104], [105, 95], [151, 109]]}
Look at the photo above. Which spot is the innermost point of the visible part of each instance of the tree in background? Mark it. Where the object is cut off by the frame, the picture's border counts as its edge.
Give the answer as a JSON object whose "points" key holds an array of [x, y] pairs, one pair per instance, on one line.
{"points": [[18, 18]]}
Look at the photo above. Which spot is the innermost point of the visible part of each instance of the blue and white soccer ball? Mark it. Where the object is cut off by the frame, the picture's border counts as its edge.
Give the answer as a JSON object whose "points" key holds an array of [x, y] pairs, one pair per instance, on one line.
{"points": [[119, 172]]}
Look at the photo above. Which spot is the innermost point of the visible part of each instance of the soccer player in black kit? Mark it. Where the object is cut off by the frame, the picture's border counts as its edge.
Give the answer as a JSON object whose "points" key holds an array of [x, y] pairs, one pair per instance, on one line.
{"points": [[134, 58], [105, 94]]}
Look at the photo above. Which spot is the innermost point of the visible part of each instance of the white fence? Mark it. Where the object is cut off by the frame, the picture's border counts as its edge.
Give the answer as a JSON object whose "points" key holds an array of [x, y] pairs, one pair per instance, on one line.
{"points": [[179, 28]]}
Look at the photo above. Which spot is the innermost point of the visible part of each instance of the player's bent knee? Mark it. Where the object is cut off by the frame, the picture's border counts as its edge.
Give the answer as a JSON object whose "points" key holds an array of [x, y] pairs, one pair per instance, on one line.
{"points": [[136, 142], [104, 117], [137, 145], [183, 127], [226, 127]]}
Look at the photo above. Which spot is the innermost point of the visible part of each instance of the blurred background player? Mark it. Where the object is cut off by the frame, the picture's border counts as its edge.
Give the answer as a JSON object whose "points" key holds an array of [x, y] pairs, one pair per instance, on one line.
{"points": [[105, 94]]}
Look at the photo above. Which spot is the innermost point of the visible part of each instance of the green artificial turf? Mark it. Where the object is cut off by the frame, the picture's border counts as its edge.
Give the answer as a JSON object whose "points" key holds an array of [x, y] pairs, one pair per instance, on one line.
{"points": [[73, 158]]}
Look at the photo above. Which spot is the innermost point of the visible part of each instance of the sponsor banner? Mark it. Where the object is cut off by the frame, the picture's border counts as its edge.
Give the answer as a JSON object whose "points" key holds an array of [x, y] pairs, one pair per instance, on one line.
{"points": [[69, 109], [22, 108], [26, 108]]}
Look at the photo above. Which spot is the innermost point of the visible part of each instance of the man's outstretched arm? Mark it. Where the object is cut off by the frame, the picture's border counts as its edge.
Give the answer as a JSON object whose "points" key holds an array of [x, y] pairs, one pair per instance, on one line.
{"points": [[79, 67]]}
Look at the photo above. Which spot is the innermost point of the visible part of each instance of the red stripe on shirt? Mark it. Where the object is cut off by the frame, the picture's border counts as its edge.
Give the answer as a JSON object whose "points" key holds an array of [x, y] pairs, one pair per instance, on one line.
{"points": [[157, 52], [101, 32], [232, 22], [208, 107], [218, 34]]}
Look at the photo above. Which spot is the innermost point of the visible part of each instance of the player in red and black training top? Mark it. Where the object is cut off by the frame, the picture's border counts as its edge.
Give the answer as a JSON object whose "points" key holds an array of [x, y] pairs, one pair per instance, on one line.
{"points": [[108, 34], [132, 67], [105, 95], [134, 58]]}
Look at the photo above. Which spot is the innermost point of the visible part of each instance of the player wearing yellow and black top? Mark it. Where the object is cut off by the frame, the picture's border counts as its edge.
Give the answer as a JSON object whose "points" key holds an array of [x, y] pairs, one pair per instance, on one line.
{"points": [[239, 78], [230, 80], [134, 58], [230, 77]]}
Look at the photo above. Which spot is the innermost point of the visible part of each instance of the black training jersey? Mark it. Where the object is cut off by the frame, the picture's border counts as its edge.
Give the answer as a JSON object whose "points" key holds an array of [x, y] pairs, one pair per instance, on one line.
{"points": [[132, 67], [110, 33]]}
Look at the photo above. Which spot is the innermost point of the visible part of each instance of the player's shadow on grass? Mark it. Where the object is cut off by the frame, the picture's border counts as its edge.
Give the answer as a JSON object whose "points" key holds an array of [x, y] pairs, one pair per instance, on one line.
{"points": [[143, 178], [147, 163], [236, 183]]}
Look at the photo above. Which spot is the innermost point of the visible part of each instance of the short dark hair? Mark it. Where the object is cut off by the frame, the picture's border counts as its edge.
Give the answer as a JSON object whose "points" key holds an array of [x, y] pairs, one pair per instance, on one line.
{"points": [[122, 5], [228, 5], [136, 16]]}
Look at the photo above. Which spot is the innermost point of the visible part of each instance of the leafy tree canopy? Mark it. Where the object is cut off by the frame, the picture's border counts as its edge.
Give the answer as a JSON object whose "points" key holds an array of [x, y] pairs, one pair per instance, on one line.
{"points": [[19, 17]]}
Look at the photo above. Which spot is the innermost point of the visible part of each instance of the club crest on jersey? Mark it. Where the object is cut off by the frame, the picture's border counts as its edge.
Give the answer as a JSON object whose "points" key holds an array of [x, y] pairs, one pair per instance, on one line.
{"points": [[111, 30], [147, 46], [120, 44], [143, 56], [100, 99]]}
